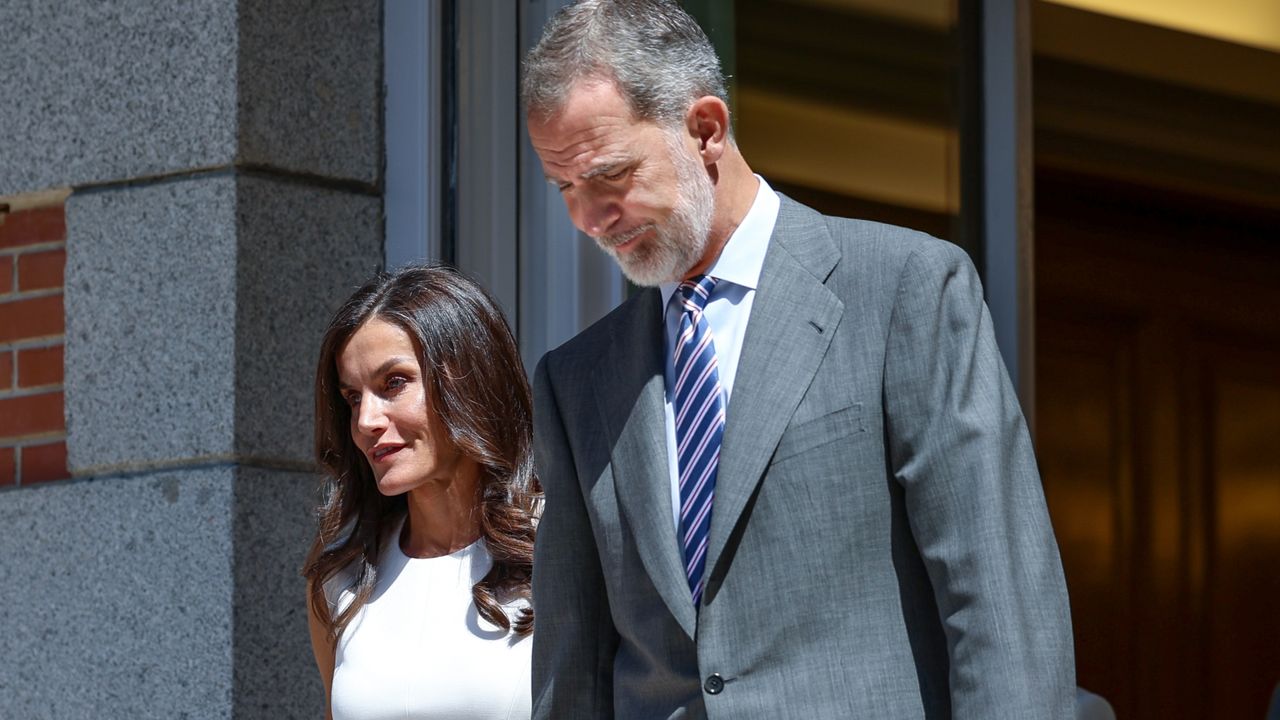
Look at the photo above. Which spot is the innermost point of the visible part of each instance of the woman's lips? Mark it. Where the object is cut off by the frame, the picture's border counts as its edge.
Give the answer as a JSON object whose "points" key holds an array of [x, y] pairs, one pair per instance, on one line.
{"points": [[382, 454]]}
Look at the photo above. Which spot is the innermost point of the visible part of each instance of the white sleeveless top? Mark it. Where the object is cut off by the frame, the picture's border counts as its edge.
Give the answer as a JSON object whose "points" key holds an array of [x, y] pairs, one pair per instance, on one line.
{"points": [[419, 648]]}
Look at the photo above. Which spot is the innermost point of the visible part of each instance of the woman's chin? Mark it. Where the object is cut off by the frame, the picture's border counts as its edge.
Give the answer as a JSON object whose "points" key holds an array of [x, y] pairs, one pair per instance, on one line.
{"points": [[390, 486]]}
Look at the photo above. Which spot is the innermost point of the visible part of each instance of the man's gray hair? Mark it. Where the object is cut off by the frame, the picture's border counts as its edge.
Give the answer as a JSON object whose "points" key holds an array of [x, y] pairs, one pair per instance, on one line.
{"points": [[652, 50]]}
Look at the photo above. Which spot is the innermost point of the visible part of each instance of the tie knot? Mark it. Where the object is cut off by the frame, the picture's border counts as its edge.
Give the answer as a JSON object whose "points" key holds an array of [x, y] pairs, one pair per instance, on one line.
{"points": [[695, 293]]}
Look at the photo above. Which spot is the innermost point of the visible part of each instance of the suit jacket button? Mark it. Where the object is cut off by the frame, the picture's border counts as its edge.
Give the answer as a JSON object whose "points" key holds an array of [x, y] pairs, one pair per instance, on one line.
{"points": [[714, 684]]}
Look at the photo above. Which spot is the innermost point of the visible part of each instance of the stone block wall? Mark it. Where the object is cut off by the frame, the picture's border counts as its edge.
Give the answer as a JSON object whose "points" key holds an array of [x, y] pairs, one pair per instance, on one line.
{"points": [[159, 327]]}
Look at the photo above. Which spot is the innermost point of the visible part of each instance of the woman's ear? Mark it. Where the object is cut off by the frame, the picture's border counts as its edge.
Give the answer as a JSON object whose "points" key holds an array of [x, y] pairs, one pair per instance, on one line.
{"points": [[708, 121]]}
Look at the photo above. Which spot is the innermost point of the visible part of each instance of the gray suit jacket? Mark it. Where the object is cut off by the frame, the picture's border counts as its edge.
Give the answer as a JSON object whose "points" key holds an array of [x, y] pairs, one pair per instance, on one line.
{"points": [[879, 543]]}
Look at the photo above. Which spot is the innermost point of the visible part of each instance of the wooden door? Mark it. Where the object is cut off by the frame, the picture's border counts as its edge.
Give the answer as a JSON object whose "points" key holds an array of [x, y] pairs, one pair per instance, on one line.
{"points": [[1158, 401]]}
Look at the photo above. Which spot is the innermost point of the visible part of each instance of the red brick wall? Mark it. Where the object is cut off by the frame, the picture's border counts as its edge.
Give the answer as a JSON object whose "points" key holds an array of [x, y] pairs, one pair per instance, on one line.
{"points": [[32, 429]]}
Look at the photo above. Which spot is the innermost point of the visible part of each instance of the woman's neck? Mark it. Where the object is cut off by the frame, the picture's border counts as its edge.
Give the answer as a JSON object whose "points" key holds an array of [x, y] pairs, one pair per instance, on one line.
{"points": [[444, 516]]}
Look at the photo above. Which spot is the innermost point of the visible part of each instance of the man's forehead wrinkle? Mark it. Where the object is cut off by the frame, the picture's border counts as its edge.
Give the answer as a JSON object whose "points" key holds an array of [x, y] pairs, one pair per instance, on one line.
{"points": [[576, 143], [582, 168], [592, 149]]}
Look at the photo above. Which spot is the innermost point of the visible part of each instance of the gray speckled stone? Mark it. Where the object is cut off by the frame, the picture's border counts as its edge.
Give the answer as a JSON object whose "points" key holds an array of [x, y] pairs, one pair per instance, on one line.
{"points": [[104, 91], [150, 338], [311, 87], [195, 310], [275, 675], [100, 92], [168, 594], [118, 597], [302, 252]]}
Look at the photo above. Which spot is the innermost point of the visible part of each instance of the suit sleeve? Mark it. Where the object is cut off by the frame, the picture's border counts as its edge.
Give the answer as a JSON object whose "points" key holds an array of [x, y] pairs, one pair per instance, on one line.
{"points": [[959, 447], [574, 640]]}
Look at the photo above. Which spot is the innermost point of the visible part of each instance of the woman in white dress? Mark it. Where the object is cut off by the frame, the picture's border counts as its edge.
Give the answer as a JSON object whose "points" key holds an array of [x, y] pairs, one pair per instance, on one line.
{"points": [[418, 580]]}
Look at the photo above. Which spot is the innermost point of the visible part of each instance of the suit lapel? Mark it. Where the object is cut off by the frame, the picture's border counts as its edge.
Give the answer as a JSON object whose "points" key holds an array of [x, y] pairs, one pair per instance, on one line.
{"points": [[793, 318], [632, 367]]}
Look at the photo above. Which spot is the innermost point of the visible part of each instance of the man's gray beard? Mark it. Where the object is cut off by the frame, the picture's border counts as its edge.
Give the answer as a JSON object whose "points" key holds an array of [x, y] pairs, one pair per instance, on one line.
{"points": [[678, 244]]}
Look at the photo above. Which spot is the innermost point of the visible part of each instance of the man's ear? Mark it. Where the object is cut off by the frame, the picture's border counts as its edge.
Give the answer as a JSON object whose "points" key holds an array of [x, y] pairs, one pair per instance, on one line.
{"points": [[708, 122]]}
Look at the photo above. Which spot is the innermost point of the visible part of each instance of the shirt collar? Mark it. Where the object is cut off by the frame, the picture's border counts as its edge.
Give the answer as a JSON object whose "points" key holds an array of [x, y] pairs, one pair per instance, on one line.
{"points": [[742, 258]]}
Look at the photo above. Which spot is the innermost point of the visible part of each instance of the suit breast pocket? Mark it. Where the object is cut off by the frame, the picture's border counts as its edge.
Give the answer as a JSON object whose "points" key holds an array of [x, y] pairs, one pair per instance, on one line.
{"points": [[819, 431]]}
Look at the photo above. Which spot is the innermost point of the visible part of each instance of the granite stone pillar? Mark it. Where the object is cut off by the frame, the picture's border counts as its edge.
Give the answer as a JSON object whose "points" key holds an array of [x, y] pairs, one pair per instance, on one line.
{"points": [[224, 159]]}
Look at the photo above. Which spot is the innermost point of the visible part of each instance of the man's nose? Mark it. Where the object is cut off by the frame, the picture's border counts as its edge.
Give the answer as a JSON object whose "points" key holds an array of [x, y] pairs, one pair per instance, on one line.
{"points": [[595, 214]]}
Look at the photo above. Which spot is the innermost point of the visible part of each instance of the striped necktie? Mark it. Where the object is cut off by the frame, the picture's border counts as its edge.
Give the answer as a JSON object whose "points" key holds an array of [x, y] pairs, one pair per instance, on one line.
{"points": [[699, 410]]}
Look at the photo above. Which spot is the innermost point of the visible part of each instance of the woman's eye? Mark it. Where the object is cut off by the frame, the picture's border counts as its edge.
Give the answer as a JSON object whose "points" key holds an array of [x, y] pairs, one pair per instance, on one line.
{"points": [[353, 400], [396, 382]]}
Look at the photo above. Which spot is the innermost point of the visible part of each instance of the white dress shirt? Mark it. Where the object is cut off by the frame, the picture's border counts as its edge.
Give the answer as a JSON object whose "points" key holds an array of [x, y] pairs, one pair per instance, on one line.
{"points": [[738, 272]]}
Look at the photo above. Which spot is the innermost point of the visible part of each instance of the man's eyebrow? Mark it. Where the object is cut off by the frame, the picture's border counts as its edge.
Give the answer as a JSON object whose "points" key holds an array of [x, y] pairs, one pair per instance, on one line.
{"points": [[606, 169]]}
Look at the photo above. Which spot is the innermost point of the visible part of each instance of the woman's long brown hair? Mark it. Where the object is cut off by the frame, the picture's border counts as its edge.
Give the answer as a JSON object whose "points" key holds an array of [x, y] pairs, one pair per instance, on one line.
{"points": [[476, 385]]}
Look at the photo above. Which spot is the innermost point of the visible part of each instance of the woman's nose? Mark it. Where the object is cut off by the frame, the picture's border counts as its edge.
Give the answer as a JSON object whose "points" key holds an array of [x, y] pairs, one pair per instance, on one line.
{"points": [[370, 418]]}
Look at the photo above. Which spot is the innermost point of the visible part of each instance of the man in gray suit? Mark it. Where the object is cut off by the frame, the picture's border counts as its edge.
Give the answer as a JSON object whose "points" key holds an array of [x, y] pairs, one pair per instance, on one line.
{"points": [[789, 478]]}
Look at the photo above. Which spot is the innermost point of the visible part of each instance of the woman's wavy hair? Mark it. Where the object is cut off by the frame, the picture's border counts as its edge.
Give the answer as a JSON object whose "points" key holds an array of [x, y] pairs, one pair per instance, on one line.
{"points": [[476, 385]]}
